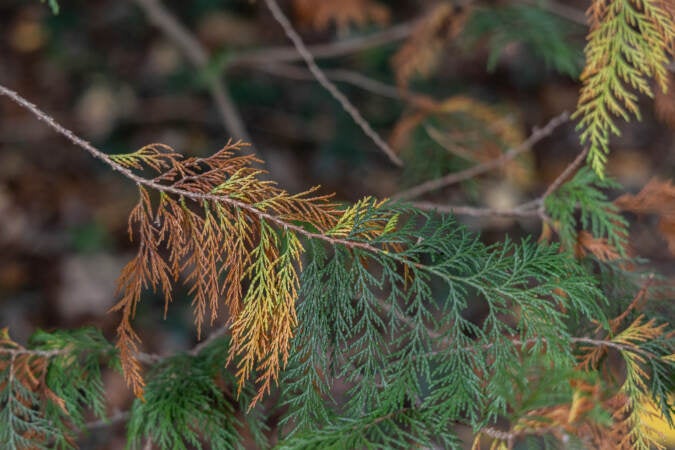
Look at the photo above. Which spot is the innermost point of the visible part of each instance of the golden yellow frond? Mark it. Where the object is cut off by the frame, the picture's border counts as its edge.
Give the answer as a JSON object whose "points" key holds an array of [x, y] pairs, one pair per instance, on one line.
{"points": [[353, 223], [262, 331], [630, 42], [209, 227], [640, 331]]}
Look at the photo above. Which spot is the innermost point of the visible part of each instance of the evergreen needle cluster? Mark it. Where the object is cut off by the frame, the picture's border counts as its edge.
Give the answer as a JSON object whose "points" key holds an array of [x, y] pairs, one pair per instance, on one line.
{"points": [[630, 42]]}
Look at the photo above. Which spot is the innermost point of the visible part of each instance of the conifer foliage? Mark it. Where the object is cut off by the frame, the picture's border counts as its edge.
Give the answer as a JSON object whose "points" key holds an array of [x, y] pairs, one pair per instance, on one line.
{"points": [[225, 227], [630, 42], [356, 322]]}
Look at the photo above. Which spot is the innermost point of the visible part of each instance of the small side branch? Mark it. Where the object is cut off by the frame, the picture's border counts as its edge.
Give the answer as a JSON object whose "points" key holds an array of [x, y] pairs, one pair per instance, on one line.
{"points": [[524, 210], [350, 77], [169, 189], [277, 55], [452, 178], [323, 80], [565, 174]]}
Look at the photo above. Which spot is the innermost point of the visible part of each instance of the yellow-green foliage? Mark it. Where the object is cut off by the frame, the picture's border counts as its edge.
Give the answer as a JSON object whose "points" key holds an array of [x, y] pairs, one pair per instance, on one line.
{"points": [[629, 43]]}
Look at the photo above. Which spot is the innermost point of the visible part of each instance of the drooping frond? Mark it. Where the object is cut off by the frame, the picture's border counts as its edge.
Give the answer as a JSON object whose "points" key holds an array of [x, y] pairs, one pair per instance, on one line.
{"points": [[370, 317], [46, 388], [218, 247], [640, 401], [629, 43], [647, 351]]}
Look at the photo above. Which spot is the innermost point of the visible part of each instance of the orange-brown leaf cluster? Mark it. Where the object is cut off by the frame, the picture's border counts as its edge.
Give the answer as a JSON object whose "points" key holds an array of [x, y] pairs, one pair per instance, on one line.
{"points": [[231, 238], [321, 14], [421, 52], [29, 370], [657, 197], [598, 247]]}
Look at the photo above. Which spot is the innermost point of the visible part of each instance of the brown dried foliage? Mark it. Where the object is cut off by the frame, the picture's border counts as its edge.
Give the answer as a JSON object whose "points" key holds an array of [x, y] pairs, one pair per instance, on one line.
{"points": [[421, 52], [29, 369], [591, 355], [321, 14], [598, 247], [215, 227], [657, 197], [575, 419]]}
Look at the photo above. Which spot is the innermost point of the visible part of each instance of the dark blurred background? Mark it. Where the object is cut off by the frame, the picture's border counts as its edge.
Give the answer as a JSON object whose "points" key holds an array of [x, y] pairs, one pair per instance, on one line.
{"points": [[102, 69]]}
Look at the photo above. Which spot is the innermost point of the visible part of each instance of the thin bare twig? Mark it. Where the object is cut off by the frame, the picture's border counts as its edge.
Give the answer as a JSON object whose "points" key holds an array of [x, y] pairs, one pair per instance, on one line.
{"points": [[18, 351], [524, 210], [330, 50], [198, 57], [230, 201], [281, 18], [564, 175], [537, 135], [531, 208], [117, 417], [212, 337], [298, 73], [350, 77]]}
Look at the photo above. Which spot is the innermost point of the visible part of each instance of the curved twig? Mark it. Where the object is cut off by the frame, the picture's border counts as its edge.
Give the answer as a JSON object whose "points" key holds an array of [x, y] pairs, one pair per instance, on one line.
{"points": [[281, 18], [452, 178]]}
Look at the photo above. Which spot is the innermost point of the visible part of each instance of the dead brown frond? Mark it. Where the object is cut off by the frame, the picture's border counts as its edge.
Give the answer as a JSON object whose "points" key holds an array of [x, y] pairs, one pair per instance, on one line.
{"points": [[215, 226], [598, 247], [344, 13], [657, 197], [25, 392], [421, 52]]}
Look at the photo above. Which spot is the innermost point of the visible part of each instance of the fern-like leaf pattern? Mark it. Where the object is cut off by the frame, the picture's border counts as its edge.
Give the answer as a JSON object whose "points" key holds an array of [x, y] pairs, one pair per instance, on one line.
{"points": [[629, 43]]}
